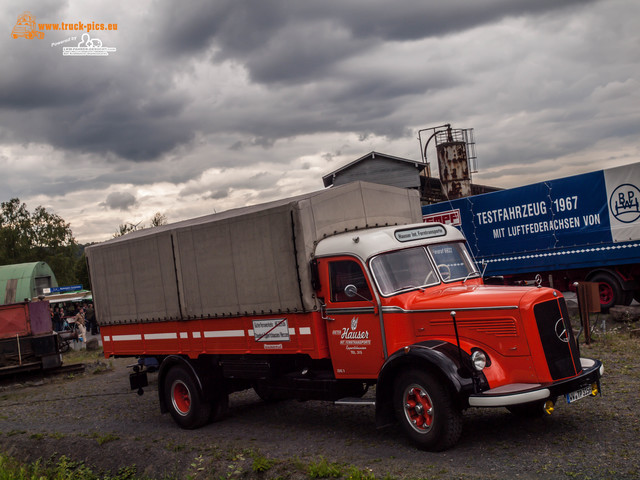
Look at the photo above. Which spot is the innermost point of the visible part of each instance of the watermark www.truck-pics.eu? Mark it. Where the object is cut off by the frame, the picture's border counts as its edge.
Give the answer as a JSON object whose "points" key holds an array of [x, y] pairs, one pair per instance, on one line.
{"points": [[87, 46]]}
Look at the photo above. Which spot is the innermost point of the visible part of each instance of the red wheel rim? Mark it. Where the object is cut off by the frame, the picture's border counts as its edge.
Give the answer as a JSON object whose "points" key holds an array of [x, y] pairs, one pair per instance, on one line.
{"points": [[180, 397], [418, 408], [606, 293]]}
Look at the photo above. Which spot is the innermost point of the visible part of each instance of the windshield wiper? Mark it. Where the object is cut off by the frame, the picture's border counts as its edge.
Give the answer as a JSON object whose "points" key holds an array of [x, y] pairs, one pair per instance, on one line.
{"points": [[469, 276]]}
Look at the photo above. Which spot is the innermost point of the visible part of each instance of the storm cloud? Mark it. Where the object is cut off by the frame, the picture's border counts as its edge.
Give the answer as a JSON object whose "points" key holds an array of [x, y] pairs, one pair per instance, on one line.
{"points": [[206, 106]]}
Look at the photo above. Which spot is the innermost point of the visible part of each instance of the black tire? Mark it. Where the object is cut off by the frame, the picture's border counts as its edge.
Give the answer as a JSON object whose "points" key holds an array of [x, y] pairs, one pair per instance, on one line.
{"points": [[611, 292], [628, 297], [185, 400], [425, 409], [266, 393], [219, 406]]}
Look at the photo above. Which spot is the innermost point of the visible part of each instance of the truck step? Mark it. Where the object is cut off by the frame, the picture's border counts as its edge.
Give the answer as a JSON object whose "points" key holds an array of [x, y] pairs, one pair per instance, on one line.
{"points": [[356, 401]]}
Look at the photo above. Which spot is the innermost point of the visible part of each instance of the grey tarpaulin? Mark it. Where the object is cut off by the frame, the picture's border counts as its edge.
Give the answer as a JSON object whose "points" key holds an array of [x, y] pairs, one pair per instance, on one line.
{"points": [[249, 260]]}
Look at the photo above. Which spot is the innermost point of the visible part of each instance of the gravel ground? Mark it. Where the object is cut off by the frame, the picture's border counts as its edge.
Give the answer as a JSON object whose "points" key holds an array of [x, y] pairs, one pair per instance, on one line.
{"points": [[93, 417]]}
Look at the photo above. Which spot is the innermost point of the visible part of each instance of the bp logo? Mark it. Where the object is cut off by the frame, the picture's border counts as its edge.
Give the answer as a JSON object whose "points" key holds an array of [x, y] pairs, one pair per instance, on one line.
{"points": [[624, 204]]}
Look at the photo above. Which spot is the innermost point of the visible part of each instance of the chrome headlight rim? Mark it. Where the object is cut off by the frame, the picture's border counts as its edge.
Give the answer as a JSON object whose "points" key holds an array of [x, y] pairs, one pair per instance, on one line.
{"points": [[479, 360]]}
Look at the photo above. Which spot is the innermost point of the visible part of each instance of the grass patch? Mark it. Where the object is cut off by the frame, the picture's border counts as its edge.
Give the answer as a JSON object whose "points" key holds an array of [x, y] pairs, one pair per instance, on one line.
{"points": [[102, 439], [324, 469], [83, 356], [62, 469], [261, 463]]}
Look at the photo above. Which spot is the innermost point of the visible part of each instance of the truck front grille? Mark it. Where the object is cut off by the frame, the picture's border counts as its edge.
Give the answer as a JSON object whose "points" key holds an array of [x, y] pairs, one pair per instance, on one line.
{"points": [[557, 338]]}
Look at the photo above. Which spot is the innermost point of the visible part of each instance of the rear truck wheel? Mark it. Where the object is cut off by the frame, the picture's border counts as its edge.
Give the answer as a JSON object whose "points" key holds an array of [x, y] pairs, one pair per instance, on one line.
{"points": [[611, 292], [184, 399], [425, 409], [219, 406], [266, 393]]}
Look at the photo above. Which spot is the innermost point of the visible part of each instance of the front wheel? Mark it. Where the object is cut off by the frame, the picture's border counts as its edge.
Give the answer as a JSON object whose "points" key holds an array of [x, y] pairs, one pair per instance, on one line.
{"points": [[184, 399], [425, 409]]}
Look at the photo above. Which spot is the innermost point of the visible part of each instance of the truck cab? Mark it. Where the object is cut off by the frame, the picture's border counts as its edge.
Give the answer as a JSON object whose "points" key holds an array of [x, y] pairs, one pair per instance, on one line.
{"points": [[406, 307]]}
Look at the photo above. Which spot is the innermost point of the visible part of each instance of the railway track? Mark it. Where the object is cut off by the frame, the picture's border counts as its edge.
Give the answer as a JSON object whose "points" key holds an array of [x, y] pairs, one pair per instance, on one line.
{"points": [[20, 373]]}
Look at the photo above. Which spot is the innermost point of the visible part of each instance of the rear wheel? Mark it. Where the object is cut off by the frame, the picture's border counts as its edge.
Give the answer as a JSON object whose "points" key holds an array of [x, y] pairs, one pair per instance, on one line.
{"points": [[425, 410], [611, 292], [185, 400], [265, 392], [219, 406]]}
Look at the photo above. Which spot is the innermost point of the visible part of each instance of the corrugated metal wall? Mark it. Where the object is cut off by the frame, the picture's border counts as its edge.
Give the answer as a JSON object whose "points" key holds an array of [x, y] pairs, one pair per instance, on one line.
{"points": [[382, 171]]}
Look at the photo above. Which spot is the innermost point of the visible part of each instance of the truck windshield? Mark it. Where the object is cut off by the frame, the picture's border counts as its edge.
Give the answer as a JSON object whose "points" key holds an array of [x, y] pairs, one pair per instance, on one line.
{"points": [[453, 261], [418, 267]]}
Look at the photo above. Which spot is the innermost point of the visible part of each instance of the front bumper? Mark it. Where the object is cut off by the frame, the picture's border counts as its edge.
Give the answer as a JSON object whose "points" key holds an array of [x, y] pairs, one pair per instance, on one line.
{"points": [[519, 393]]}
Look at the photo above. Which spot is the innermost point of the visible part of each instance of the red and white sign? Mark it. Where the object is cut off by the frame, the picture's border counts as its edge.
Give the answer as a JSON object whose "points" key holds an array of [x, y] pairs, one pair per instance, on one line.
{"points": [[450, 217]]}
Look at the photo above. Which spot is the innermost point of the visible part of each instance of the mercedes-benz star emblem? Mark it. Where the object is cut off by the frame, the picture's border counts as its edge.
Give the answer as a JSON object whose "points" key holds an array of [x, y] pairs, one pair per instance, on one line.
{"points": [[561, 331]]}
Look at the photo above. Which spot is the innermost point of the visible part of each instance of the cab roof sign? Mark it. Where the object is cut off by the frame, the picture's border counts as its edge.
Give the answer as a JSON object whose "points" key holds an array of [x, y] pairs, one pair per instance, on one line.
{"points": [[420, 233]]}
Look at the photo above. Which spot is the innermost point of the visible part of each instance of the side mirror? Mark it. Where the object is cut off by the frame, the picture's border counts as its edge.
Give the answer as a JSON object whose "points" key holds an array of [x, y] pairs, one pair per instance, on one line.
{"points": [[351, 290]]}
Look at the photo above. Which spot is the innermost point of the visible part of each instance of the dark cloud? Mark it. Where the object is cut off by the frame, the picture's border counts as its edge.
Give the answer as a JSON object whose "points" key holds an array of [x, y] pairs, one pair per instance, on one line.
{"points": [[119, 201], [219, 194], [219, 104], [287, 41]]}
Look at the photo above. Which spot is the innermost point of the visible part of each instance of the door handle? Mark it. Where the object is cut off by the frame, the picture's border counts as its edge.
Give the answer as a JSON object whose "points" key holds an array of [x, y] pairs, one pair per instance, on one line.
{"points": [[323, 313]]}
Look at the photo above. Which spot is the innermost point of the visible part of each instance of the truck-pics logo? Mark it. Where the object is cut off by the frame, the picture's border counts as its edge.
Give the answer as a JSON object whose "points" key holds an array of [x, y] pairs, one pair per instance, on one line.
{"points": [[623, 203], [26, 27]]}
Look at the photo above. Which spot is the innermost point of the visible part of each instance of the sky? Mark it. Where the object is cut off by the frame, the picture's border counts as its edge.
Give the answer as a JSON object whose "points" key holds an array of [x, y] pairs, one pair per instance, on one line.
{"points": [[202, 106]]}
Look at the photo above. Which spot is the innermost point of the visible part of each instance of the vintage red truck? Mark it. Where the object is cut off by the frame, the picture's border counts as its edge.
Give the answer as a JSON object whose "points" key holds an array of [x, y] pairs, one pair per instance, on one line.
{"points": [[322, 296]]}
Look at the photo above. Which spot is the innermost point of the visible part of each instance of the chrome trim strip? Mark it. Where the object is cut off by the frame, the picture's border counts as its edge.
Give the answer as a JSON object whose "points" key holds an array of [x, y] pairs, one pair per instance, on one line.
{"points": [[505, 400], [447, 310], [349, 311]]}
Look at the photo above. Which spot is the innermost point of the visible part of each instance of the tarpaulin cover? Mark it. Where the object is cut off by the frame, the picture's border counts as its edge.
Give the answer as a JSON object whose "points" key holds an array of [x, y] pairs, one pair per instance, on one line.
{"points": [[249, 260]]}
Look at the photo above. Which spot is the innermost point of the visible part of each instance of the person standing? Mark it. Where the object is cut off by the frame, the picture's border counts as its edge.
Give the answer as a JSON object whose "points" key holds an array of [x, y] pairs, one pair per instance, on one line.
{"points": [[56, 319], [90, 316], [80, 324]]}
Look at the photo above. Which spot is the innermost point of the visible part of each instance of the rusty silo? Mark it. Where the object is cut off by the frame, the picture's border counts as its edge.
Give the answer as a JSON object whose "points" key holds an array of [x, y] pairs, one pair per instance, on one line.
{"points": [[453, 164]]}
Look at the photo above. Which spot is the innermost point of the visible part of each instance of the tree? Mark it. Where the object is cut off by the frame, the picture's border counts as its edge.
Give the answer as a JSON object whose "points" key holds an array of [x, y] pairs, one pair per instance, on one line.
{"points": [[38, 237], [124, 228], [15, 232], [158, 219]]}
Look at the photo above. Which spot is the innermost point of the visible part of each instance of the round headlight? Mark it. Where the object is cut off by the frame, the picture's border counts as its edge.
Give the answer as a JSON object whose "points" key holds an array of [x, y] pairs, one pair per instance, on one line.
{"points": [[479, 360]]}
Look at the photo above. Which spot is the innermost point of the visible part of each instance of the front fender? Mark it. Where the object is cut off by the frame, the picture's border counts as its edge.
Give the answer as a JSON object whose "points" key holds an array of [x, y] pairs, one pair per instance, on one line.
{"points": [[438, 357]]}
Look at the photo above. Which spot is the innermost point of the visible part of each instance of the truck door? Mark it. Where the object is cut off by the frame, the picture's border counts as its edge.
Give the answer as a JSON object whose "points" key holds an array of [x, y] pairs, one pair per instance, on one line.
{"points": [[353, 324]]}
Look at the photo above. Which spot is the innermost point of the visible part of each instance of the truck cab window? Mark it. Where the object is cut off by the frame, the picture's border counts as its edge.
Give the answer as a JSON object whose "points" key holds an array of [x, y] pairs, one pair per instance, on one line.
{"points": [[403, 270], [453, 261], [343, 273]]}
